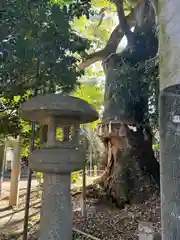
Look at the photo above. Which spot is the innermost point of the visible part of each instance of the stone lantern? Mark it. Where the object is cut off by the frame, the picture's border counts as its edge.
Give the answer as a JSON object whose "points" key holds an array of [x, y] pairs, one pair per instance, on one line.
{"points": [[58, 158]]}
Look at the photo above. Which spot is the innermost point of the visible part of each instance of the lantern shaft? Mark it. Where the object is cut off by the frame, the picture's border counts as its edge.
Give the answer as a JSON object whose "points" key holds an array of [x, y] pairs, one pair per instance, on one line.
{"points": [[56, 212]]}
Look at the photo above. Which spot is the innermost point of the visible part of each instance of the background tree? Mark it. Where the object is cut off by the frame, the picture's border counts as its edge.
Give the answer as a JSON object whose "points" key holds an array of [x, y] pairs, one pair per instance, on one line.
{"points": [[92, 91]]}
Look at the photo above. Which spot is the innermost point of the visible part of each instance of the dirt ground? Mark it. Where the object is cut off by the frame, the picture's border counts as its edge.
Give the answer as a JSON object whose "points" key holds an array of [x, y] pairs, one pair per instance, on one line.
{"points": [[103, 220], [11, 218]]}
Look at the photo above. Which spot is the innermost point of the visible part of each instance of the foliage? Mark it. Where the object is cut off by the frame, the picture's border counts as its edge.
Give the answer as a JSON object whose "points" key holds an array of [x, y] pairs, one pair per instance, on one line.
{"points": [[95, 149], [156, 147], [90, 29], [93, 94], [75, 176], [39, 178], [99, 26], [139, 84], [37, 51]]}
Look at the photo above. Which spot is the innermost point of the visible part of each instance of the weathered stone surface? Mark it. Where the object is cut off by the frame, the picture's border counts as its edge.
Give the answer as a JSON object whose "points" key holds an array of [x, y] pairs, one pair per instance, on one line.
{"points": [[63, 108], [65, 159], [146, 232], [56, 212], [157, 236], [169, 161]]}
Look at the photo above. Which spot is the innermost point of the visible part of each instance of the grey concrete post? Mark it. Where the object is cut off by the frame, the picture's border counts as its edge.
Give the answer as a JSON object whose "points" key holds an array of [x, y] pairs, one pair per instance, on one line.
{"points": [[170, 162], [58, 159], [169, 18]]}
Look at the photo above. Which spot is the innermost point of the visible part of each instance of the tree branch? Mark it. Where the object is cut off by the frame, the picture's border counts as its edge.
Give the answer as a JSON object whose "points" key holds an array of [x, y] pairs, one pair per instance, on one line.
{"points": [[123, 21], [139, 15], [111, 46], [92, 58], [114, 39], [102, 14], [155, 5]]}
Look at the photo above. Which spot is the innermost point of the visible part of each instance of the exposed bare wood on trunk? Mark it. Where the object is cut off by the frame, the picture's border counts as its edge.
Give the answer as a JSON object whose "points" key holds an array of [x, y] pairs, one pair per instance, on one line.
{"points": [[128, 177]]}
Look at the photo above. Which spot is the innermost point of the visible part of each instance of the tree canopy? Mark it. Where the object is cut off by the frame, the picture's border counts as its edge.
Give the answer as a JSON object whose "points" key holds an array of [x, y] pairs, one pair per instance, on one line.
{"points": [[38, 50]]}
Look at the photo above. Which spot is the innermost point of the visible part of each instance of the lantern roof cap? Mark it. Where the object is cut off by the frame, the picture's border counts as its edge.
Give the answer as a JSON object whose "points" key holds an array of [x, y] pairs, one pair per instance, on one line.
{"points": [[61, 107]]}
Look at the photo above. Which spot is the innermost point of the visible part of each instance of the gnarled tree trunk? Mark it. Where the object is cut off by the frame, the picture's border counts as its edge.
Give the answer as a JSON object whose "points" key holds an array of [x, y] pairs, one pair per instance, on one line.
{"points": [[131, 171]]}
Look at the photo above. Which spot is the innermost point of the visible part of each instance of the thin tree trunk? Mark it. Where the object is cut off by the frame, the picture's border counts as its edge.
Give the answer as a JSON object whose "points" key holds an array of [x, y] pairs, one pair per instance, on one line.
{"points": [[2, 158]]}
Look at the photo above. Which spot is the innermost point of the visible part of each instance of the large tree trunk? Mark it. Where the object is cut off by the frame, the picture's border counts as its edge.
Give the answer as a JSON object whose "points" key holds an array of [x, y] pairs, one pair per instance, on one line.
{"points": [[130, 166]]}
